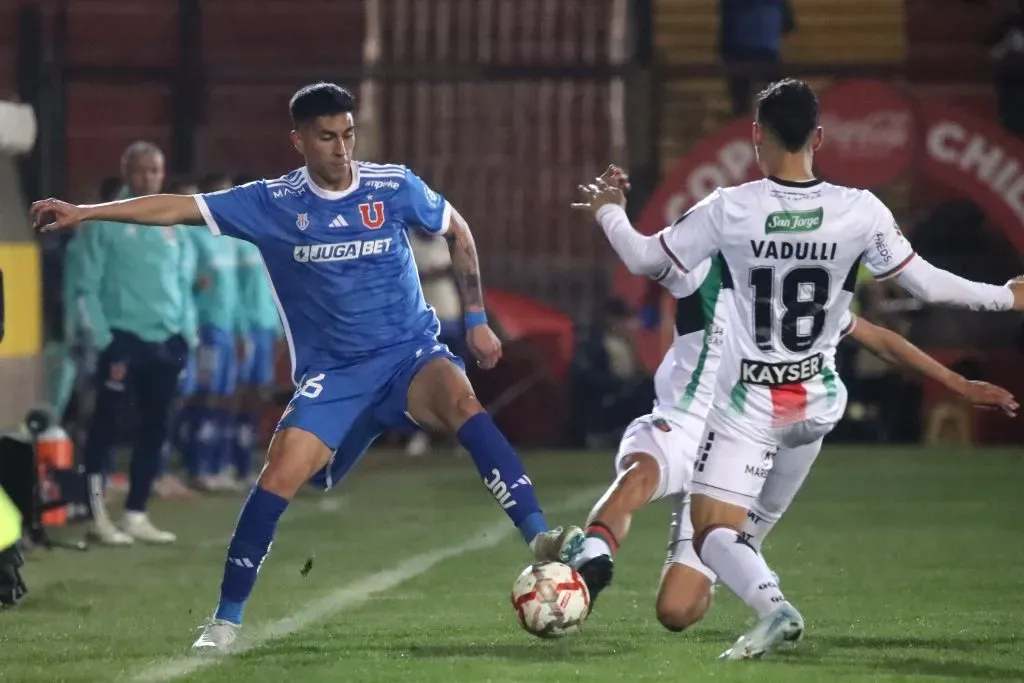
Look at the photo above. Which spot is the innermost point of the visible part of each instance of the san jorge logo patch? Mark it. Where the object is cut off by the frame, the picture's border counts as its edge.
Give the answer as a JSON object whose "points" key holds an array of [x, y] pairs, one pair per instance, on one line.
{"points": [[794, 221]]}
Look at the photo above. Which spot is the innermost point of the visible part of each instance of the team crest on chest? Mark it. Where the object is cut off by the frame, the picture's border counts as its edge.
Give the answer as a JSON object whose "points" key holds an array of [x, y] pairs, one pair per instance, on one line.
{"points": [[302, 221], [372, 215]]}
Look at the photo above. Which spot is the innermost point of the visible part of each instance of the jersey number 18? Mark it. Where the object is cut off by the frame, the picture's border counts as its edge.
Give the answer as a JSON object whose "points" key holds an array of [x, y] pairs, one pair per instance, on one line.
{"points": [[804, 296]]}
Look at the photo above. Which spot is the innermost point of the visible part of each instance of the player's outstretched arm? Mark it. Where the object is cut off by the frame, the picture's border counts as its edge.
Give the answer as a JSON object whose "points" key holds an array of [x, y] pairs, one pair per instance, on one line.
{"points": [[936, 286], [896, 350], [642, 255], [484, 344], [157, 209], [890, 255]]}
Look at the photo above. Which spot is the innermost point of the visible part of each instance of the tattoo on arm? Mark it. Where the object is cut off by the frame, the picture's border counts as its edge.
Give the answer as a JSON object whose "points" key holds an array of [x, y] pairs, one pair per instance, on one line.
{"points": [[465, 263]]}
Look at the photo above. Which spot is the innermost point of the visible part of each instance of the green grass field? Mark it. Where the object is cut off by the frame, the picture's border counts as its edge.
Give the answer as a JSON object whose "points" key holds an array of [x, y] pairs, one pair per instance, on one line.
{"points": [[906, 564]]}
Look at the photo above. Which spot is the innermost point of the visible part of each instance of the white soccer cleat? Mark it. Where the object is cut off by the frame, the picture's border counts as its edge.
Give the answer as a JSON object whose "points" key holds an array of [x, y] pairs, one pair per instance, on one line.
{"points": [[137, 526], [783, 625], [107, 533], [217, 636], [558, 545]]}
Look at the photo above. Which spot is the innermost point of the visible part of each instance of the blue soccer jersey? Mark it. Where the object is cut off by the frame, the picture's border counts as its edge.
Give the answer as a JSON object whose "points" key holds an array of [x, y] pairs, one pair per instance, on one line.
{"points": [[339, 262]]}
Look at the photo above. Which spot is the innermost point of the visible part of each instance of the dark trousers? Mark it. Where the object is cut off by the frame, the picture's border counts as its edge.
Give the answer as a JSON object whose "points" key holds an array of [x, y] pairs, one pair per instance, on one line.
{"points": [[141, 377]]}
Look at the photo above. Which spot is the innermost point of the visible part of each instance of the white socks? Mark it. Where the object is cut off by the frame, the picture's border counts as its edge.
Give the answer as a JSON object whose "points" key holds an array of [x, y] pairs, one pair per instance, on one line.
{"points": [[593, 547], [758, 524], [742, 569]]}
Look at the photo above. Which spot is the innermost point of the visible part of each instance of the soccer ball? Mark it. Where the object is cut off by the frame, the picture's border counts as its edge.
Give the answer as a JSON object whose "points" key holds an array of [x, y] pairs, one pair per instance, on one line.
{"points": [[550, 599]]}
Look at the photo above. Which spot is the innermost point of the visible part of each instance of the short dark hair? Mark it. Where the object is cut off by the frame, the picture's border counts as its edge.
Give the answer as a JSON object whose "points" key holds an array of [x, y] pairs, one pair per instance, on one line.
{"points": [[320, 99], [789, 110]]}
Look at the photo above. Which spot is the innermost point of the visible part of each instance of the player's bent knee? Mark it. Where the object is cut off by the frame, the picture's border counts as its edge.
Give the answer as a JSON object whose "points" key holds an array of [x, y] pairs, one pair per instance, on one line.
{"points": [[464, 406], [295, 455], [441, 396]]}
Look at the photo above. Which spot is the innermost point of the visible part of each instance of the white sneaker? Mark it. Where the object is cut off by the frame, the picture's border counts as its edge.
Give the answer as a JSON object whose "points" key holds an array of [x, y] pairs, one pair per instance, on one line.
{"points": [[558, 545], [138, 526], [104, 531], [217, 636], [783, 625]]}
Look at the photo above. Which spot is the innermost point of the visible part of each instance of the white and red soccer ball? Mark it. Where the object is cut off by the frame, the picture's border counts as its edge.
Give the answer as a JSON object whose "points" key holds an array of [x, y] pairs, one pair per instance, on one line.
{"points": [[550, 599]]}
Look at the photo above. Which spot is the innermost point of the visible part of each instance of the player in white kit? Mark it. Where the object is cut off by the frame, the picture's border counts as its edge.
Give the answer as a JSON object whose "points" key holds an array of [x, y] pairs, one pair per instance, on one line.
{"points": [[657, 451], [656, 454], [789, 247]]}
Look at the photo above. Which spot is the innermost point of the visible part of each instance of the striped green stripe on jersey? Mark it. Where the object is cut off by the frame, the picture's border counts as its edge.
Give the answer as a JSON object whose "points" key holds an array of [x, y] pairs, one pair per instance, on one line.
{"points": [[707, 296]]}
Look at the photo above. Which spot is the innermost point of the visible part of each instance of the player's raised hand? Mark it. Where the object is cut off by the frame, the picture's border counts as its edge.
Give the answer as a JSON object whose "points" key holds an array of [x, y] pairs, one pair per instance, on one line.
{"points": [[985, 395], [598, 194], [53, 214], [484, 345], [616, 177]]}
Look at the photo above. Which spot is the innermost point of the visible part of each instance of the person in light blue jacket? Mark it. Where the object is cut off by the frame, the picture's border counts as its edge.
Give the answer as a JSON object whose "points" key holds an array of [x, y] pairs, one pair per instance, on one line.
{"points": [[133, 291]]}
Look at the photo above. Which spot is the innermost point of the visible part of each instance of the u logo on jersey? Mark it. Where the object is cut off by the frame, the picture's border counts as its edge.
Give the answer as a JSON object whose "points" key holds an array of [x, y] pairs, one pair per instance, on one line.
{"points": [[372, 215]]}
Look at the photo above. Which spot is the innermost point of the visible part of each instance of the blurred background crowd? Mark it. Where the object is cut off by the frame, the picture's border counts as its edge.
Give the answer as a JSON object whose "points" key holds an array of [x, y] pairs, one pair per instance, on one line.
{"points": [[503, 105]]}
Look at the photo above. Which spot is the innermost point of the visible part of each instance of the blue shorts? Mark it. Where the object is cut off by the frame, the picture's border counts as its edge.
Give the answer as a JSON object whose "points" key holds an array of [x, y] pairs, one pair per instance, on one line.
{"points": [[258, 365], [212, 370], [349, 407]]}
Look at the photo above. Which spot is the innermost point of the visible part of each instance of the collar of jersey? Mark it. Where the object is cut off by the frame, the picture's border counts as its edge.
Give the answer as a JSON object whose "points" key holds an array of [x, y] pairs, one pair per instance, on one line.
{"points": [[795, 183], [331, 194]]}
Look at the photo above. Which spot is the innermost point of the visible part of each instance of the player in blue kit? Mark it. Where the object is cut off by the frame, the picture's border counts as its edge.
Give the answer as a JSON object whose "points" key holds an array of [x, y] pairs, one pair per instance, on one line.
{"points": [[363, 343]]}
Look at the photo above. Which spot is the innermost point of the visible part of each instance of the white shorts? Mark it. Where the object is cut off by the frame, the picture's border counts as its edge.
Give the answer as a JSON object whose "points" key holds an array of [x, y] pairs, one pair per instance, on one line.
{"points": [[736, 456], [680, 539], [671, 441]]}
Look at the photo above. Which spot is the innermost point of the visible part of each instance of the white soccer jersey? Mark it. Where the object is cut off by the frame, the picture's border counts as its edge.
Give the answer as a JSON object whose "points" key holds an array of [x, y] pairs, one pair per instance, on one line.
{"points": [[685, 379], [789, 256]]}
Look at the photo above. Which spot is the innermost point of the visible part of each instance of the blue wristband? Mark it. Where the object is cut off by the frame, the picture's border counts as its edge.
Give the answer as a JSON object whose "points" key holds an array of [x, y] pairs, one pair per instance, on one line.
{"points": [[475, 319]]}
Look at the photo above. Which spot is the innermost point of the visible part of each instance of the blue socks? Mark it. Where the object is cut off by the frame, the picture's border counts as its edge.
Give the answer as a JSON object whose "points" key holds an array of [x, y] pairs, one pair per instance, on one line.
{"points": [[503, 474], [249, 546]]}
